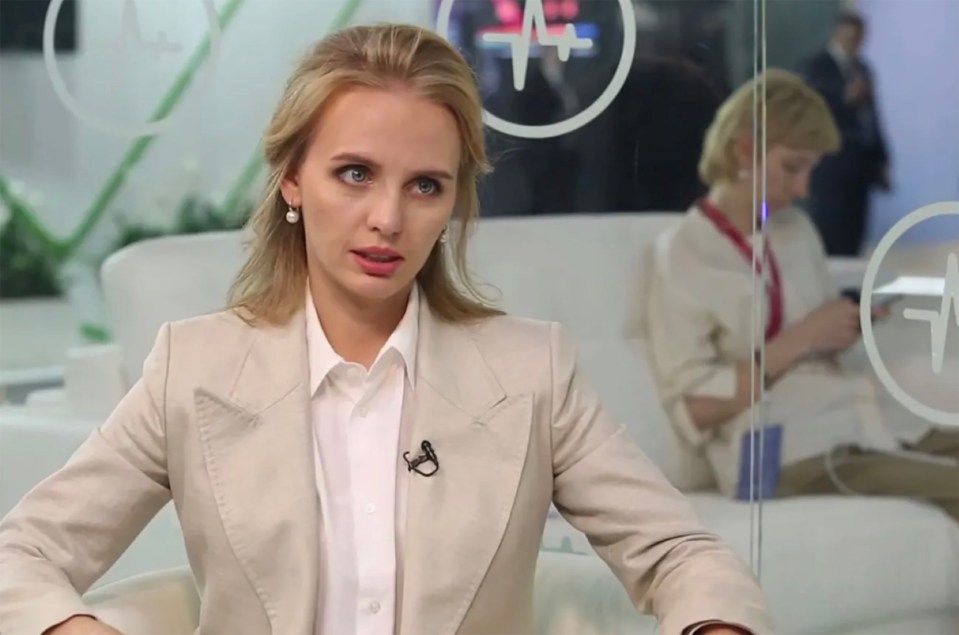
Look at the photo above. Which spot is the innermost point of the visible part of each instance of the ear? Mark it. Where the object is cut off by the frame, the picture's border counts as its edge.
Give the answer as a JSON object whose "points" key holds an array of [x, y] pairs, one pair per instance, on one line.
{"points": [[290, 188]]}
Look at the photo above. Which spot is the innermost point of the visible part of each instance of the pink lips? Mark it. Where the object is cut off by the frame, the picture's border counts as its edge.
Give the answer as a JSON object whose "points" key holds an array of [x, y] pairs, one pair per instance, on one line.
{"points": [[378, 261]]}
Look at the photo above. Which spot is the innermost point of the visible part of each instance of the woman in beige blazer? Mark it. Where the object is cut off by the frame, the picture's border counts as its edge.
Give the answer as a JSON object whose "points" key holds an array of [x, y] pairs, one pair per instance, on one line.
{"points": [[355, 307], [830, 434]]}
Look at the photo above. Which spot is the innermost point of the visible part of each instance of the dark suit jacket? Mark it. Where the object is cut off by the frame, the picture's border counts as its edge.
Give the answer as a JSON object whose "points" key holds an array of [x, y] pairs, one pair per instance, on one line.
{"points": [[862, 138]]}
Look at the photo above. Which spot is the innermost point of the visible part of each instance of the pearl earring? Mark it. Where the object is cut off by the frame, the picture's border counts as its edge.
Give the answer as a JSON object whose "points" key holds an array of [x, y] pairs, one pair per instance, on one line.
{"points": [[443, 236], [292, 215]]}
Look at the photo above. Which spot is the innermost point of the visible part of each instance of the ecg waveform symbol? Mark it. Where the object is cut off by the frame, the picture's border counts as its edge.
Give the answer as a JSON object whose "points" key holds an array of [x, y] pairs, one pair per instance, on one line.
{"points": [[534, 18], [132, 36], [939, 320]]}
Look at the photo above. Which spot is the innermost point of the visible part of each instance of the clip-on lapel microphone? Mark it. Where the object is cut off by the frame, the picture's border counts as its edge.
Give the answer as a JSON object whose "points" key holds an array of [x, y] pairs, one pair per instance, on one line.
{"points": [[428, 456]]}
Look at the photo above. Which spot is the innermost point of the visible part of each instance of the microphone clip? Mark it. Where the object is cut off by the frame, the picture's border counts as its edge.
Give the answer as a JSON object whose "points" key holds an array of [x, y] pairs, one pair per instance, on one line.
{"points": [[428, 456]]}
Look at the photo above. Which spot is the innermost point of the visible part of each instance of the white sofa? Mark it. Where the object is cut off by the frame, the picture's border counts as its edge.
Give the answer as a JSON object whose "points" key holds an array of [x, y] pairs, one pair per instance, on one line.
{"points": [[830, 565]]}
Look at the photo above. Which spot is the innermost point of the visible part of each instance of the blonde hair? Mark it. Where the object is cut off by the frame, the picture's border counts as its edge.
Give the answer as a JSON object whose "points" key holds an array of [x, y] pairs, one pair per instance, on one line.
{"points": [[270, 286], [796, 117]]}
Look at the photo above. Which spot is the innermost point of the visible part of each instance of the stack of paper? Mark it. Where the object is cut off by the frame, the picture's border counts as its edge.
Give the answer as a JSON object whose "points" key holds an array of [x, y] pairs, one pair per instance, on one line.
{"points": [[914, 286]]}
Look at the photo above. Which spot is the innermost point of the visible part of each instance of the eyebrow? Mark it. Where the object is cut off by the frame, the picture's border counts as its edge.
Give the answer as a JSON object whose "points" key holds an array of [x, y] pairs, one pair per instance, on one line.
{"points": [[359, 158]]}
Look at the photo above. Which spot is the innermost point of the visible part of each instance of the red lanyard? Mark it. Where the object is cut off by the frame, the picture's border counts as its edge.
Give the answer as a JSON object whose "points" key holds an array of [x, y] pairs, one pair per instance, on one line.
{"points": [[775, 288]]}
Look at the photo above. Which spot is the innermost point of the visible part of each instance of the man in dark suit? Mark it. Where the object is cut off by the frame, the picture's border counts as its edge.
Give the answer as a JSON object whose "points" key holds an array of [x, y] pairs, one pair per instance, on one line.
{"points": [[839, 189]]}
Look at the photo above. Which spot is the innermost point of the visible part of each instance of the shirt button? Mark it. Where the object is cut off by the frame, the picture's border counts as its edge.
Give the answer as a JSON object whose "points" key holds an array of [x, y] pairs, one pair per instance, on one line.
{"points": [[374, 607], [370, 508], [363, 411]]}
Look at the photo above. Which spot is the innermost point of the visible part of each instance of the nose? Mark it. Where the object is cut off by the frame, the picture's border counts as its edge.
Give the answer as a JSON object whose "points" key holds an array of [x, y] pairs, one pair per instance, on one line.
{"points": [[386, 212]]}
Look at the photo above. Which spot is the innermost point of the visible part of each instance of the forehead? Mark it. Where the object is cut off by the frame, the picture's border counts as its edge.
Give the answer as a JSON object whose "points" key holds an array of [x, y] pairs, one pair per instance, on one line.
{"points": [[394, 126], [788, 152]]}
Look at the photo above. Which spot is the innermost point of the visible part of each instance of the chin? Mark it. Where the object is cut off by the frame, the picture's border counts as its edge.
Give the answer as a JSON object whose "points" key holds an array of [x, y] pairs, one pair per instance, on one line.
{"points": [[378, 288]]}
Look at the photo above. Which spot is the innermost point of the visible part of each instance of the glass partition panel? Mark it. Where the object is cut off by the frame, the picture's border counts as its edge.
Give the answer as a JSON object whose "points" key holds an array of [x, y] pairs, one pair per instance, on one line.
{"points": [[627, 142], [860, 395]]}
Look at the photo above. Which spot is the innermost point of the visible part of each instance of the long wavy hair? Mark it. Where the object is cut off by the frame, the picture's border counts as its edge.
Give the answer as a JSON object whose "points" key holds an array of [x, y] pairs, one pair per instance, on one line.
{"points": [[269, 288]]}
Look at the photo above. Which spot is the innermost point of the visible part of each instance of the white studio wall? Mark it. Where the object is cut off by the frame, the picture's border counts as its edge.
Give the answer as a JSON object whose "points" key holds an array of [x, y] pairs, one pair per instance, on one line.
{"points": [[914, 51]]}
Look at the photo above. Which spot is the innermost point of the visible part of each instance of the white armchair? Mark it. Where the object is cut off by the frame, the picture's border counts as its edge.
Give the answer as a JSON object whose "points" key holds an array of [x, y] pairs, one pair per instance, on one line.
{"points": [[144, 285], [574, 595], [156, 603]]}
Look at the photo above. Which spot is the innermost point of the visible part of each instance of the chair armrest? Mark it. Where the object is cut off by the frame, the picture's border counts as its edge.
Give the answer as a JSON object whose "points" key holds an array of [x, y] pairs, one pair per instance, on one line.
{"points": [[577, 594], [158, 602]]}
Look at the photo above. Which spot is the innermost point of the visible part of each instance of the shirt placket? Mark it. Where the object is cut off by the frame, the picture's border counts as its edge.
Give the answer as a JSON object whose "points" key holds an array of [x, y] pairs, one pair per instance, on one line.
{"points": [[373, 505]]}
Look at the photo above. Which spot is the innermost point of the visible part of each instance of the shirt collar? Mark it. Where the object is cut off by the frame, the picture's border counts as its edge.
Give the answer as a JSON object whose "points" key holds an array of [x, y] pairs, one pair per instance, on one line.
{"points": [[403, 340], [840, 55]]}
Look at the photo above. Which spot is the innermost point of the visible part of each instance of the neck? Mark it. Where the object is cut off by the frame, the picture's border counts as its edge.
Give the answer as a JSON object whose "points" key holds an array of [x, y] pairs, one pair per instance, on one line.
{"points": [[842, 48], [356, 330], [735, 201]]}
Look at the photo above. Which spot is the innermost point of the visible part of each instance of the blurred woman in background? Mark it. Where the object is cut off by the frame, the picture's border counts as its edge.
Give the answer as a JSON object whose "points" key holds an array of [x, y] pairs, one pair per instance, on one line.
{"points": [[824, 431]]}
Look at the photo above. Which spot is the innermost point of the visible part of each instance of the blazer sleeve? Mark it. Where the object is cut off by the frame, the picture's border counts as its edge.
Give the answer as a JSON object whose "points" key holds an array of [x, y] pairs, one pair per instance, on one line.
{"points": [[67, 531], [642, 527]]}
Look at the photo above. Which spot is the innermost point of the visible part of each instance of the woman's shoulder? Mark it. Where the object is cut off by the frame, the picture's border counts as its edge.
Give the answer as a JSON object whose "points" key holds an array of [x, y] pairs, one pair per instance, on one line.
{"points": [[210, 328], [517, 341], [689, 249], [212, 340], [510, 332]]}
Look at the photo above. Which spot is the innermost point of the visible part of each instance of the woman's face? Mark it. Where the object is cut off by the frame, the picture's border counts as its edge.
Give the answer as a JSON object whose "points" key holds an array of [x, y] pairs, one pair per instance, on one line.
{"points": [[787, 175], [377, 185]]}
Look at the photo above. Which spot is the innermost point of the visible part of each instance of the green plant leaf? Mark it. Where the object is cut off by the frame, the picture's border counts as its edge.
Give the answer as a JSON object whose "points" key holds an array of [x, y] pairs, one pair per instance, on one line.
{"points": [[95, 333]]}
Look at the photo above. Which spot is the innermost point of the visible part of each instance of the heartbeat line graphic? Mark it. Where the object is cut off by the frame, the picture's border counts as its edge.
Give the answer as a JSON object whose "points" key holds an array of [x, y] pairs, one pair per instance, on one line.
{"points": [[133, 37], [534, 18], [939, 320]]}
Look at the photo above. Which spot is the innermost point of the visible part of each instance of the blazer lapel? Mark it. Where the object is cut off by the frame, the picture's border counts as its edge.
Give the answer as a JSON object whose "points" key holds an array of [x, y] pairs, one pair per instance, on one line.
{"points": [[257, 439], [456, 518]]}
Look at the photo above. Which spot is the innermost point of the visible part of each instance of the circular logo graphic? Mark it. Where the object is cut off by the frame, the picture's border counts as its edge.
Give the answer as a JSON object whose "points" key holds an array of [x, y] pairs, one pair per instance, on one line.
{"points": [[938, 320], [521, 46], [130, 34]]}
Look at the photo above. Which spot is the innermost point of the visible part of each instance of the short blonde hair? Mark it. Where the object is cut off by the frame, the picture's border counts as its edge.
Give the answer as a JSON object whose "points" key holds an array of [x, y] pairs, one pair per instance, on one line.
{"points": [[270, 286], [796, 116]]}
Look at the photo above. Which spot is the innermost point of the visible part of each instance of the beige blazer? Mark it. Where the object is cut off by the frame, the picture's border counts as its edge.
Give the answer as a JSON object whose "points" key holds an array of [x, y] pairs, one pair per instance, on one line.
{"points": [[220, 422]]}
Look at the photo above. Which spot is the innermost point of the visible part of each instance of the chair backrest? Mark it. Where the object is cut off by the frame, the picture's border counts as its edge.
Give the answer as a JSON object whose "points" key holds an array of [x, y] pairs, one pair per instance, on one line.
{"points": [[165, 279], [581, 270], [585, 271]]}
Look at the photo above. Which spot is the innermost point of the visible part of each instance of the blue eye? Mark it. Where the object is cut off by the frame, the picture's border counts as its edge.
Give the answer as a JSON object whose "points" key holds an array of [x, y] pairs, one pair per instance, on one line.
{"points": [[355, 174], [427, 187]]}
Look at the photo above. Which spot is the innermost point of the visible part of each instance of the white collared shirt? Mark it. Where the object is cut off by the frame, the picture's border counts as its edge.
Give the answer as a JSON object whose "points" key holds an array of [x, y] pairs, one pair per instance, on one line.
{"points": [[356, 416]]}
